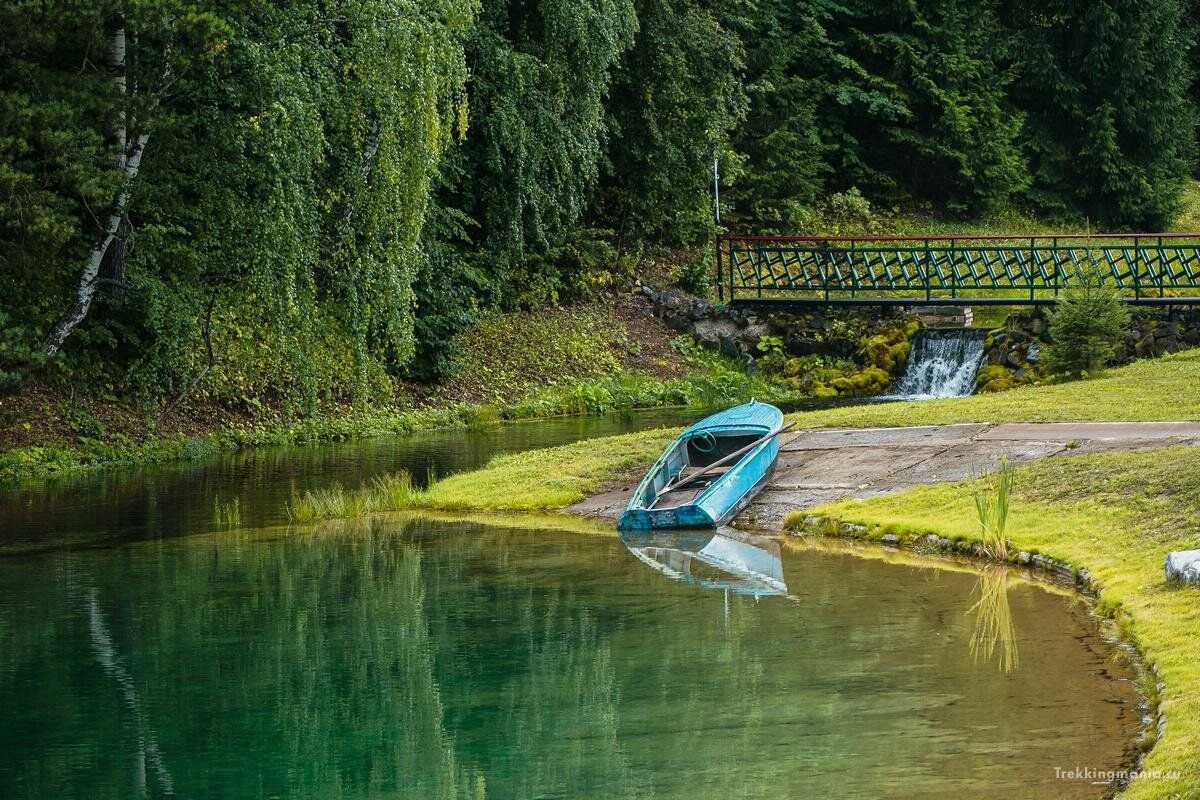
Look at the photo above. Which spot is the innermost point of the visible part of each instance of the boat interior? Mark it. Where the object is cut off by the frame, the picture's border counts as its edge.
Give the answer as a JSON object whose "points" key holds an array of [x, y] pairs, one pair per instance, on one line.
{"points": [[697, 452]]}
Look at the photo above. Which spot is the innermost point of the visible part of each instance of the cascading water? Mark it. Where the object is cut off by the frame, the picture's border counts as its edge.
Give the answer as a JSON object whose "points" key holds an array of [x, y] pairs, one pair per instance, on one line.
{"points": [[942, 363]]}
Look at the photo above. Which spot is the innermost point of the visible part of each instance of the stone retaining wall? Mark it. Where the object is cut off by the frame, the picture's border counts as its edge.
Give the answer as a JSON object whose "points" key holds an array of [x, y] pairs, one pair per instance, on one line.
{"points": [[736, 333], [1012, 352]]}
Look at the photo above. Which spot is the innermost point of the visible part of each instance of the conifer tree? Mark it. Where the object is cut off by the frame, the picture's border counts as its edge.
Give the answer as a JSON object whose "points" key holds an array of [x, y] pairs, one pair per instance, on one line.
{"points": [[1103, 84], [957, 145]]}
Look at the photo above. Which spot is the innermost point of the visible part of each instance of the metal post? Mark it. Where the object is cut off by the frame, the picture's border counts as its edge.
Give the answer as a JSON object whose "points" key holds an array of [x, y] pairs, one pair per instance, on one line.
{"points": [[1029, 270], [925, 275], [953, 273], [1162, 266], [825, 270], [730, 270], [716, 189], [1137, 278], [758, 267], [1054, 258], [853, 272]]}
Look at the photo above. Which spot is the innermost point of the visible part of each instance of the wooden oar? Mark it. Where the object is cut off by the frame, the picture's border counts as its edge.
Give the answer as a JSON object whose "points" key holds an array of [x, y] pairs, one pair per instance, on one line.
{"points": [[670, 487]]}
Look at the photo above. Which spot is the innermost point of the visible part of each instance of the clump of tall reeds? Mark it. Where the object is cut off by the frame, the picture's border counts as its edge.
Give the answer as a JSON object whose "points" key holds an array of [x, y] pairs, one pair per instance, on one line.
{"points": [[393, 492], [991, 492], [227, 514]]}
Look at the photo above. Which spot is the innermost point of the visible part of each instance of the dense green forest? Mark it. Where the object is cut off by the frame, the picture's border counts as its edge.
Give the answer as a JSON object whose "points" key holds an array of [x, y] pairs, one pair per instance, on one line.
{"points": [[304, 201]]}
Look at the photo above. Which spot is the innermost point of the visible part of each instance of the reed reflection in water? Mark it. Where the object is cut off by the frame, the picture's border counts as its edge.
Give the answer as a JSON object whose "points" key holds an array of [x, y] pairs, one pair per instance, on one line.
{"points": [[994, 635]]}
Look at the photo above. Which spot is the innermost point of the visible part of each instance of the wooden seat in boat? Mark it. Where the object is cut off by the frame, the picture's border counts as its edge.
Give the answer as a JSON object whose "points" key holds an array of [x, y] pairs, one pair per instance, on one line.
{"points": [[688, 472], [686, 494]]}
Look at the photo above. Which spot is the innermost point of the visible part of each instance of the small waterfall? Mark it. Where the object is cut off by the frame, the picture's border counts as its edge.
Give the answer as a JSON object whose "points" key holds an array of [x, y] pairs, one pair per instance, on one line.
{"points": [[942, 363]]}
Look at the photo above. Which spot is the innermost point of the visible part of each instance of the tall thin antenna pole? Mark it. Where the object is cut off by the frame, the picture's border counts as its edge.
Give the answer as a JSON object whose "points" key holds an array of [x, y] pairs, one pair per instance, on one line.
{"points": [[716, 189]]}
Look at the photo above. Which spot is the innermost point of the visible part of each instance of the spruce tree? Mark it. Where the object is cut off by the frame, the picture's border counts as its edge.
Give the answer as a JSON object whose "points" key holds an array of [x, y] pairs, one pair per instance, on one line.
{"points": [[1103, 84], [957, 144]]}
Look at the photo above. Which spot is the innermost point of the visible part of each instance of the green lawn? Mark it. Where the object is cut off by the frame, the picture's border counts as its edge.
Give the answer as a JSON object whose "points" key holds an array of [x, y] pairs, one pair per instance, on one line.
{"points": [[1117, 515], [1154, 390], [1162, 389], [541, 480]]}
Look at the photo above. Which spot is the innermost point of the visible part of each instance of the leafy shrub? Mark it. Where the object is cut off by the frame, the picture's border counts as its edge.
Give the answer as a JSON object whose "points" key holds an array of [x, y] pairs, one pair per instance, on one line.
{"points": [[696, 277], [445, 297], [1089, 321], [19, 354]]}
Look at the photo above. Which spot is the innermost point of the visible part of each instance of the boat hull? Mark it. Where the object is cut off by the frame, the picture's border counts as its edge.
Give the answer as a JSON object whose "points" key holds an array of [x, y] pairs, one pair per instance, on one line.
{"points": [[726, 496]]}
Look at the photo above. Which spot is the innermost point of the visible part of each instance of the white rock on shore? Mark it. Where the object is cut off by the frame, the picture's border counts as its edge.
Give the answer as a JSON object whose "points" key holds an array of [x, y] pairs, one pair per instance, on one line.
{"points": [[1183, 566]]}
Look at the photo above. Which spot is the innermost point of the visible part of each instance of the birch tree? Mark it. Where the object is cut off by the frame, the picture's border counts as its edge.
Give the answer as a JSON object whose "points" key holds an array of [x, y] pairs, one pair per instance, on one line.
{"points": [[128, 161]]}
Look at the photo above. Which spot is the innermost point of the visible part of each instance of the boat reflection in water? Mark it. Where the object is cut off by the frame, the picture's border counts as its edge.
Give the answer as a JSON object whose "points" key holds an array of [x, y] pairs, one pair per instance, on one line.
{"points": [[725, 559]]}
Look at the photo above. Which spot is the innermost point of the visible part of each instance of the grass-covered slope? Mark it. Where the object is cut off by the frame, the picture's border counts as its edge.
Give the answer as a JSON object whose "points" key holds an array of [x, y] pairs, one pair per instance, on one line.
{"points": [[1116, 515], [1156, 390], [533, 481]]}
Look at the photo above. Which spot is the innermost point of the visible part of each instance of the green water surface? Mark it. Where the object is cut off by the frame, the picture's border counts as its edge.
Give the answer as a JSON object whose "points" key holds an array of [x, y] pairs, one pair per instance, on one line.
{"points": [[430, 659]]}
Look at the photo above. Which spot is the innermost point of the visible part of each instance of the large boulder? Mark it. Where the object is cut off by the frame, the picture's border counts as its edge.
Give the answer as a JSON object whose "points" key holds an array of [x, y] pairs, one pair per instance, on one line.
{"points": [[1183, 566], [711, 332]]}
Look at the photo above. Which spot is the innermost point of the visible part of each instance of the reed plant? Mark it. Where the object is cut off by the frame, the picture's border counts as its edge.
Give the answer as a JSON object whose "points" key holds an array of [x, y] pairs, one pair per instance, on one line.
{"points": [[227, 514], [991, 493], [394, 492], [390, 492]]}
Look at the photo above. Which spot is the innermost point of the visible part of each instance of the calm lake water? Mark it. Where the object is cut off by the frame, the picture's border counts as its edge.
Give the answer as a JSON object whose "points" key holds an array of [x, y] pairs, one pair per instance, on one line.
{"points": [[158, 501], [426, 658]]}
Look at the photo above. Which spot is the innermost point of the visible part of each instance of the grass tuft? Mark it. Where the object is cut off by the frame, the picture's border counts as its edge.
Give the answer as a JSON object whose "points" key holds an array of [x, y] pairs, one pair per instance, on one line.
{"points": [[384, 493], [991, 494]]}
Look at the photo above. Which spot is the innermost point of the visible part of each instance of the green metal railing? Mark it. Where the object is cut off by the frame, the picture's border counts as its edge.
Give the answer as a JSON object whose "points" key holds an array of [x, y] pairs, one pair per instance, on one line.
{"points": [[1156, 268]]}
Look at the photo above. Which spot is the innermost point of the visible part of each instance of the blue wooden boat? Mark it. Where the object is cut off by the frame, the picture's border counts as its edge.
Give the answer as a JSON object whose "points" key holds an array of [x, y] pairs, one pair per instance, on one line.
{"points": [[710, 473]]}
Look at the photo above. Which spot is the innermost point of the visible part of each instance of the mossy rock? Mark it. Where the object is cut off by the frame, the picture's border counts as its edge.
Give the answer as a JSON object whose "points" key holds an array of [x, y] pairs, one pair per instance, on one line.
{"points": [[821, 390], [999, 384], [888, 349], [991, 373], [869, 381]]}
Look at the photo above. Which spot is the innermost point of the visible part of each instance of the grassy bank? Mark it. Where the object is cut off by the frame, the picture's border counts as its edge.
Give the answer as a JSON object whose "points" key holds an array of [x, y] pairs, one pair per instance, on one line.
{"points": [[532, 481], [1154, 390], [528, 365], [553, 478], [1117, 516]]}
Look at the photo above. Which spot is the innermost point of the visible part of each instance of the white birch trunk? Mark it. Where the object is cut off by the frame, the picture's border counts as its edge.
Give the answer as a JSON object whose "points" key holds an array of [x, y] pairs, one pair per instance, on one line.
{"points": [[127, 161], [91, 270]]}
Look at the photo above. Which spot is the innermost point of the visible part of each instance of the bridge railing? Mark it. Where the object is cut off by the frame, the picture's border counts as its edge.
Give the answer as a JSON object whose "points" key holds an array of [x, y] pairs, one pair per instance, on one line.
{"points": [[1146, 268]]}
